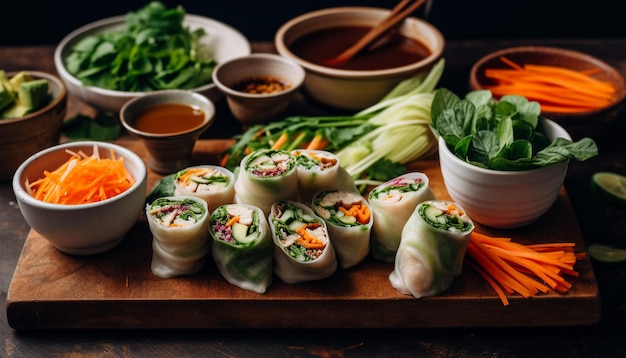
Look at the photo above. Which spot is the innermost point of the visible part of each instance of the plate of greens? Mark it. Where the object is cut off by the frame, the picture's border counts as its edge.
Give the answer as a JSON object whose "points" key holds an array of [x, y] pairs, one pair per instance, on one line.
{"points": [[107, 62]]}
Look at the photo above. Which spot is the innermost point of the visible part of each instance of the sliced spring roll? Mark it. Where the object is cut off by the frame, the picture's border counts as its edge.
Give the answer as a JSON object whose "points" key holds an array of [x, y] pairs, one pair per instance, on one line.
{"points": [[179, 226], [212, 183], [302, 248], [320, 170], [242, 246], [432, 248], [266, 176], [392, 204], [349, 220]]}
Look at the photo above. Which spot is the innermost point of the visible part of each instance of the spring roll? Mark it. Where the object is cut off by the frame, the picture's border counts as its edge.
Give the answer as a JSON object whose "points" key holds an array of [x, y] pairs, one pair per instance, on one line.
{"points": [[320, 170], [392, 204], [179, 226], [349, 220], [213, 184], [242, 246], [432, 248], [302, 248], [265, 177]]}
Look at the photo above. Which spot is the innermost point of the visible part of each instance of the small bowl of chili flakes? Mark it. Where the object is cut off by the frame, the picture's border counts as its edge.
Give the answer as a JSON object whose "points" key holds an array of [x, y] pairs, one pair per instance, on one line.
{"points": [[258, 87]]}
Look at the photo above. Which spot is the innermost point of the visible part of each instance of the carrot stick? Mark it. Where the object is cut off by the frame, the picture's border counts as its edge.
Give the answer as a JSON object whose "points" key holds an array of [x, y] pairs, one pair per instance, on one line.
{"points": [[499, 291], [280, 141]]}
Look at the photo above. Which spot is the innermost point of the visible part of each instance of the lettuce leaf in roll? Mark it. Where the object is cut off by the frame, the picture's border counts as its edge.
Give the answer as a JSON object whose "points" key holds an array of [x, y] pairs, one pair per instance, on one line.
{"points": [[392, 204], [433, 244], [302, 247], [242, 246]]}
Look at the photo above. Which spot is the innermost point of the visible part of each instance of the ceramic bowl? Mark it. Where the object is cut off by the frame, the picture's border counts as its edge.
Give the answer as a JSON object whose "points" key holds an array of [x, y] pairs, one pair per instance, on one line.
{"points": [[23, 137], [171, 151], [355, 89], [272, 82], [223, 43], [81, 229], [583, 124], [504, 199]]}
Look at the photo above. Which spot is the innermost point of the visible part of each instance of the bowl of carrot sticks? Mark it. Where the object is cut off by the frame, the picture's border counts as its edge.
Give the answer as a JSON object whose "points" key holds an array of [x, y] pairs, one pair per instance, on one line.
{"points": [[83, 197], [582, 93]]}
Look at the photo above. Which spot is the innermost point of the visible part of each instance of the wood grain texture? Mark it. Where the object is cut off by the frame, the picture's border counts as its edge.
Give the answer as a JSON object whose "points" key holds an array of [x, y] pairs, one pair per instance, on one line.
{"points": [[117, 290]]}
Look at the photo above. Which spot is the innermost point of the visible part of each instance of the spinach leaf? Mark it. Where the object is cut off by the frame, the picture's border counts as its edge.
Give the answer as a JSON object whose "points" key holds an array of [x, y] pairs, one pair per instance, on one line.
{"points": [[502, 135], [153, 51]]}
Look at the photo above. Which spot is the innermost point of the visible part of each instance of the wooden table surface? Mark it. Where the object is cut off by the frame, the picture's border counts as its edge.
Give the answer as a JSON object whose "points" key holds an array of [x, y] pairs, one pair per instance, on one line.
{"points": [[599, 222]]}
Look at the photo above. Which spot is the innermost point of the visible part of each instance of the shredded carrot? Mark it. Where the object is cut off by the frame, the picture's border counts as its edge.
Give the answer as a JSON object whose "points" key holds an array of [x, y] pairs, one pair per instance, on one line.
{"points": [[526, 269], [234, 219], [308, 240], [318, 142], [83, 179], [555, 88], [360, 211]]}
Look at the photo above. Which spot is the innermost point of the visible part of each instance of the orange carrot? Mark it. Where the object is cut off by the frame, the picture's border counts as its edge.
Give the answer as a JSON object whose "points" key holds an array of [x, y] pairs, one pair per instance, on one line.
{"points": [[83, 179], [307, 240], [234, 219], [526, 269], [280, 141], [318, 142], [555, 88]]}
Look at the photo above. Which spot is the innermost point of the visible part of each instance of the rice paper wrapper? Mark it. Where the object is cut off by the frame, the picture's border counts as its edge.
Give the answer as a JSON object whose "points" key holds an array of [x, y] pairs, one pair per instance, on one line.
{"points": [[350, 228], [179, 227], [430, 254], [302, 248], [320, 170], [392, 204], [265, 177], [243, 250], [211, 183]]}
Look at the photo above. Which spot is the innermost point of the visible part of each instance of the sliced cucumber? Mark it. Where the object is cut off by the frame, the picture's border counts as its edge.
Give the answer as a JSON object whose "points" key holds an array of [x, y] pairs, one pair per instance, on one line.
{"points": [[433, 214], [295, 225], [240, 233], [287, 217], [347, 219]]}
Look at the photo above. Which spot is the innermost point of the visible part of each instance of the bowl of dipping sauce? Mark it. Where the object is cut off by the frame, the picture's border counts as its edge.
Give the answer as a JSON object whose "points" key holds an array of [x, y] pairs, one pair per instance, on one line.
{"points": [[169, 123], [313, 38], [258, 87]]}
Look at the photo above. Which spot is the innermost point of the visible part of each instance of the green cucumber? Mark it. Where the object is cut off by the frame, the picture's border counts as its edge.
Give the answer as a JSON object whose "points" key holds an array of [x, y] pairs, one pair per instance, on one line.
{"points": [[240, 233]]}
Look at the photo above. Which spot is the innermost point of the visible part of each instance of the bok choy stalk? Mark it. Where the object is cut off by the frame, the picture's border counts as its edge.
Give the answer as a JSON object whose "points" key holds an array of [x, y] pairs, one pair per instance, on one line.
{"points": [[372, 145]]}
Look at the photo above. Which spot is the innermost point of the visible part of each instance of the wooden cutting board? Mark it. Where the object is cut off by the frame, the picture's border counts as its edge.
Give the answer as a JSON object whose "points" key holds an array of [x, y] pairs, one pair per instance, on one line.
{"points": [[117, 290]]}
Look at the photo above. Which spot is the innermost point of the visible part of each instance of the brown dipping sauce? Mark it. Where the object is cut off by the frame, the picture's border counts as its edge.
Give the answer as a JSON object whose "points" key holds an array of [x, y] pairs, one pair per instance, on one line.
{"points": [[397, 50], [169, 118]]}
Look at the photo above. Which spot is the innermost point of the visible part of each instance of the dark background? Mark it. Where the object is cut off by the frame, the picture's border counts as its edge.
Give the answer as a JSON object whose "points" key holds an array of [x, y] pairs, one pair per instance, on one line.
{"points": [[46, 22]]}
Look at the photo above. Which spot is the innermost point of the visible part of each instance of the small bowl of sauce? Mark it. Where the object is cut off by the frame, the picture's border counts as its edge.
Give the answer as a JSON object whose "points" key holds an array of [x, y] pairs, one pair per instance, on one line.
{"points": [[169, 123], [258, 87]]}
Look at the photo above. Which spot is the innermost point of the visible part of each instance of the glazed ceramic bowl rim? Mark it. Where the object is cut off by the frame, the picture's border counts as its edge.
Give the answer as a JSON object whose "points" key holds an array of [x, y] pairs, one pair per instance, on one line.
{"points": [[475, 83], [502, 173], [165, 94], [283, 49], [120, 19], [297, 81], [126, 153], [55, 101]]}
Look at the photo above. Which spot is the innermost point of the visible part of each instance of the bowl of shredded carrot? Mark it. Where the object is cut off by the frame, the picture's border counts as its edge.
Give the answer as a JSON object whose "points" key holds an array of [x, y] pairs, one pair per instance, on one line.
{"points": [[582, 93], [83, 197]]}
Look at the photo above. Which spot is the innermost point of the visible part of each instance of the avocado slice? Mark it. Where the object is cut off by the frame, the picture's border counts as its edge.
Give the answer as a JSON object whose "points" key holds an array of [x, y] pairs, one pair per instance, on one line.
{"points": [[33, 94], [20, 78], [16, 110], [7, 93]]}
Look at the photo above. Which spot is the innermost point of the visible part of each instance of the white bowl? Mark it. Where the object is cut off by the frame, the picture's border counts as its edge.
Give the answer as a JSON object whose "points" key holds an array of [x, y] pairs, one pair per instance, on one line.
{"points": [[223, 41], [252, 108], [82, 229], [351, 89], [503, 199]]}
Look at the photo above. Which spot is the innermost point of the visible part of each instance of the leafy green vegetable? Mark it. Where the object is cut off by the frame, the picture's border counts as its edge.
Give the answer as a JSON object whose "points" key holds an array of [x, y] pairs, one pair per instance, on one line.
{"points": [[164, 187], [154, 51], [103, 127], [502, 135]]}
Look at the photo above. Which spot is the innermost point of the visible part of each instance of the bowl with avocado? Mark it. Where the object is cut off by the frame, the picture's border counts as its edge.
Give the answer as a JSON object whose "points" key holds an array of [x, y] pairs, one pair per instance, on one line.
{"points": [[33, 105]]}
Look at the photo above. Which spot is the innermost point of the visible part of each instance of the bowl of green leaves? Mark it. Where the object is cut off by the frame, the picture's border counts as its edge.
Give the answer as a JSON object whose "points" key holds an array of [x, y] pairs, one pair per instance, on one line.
{"points": [[110, 61], [501, 160]]}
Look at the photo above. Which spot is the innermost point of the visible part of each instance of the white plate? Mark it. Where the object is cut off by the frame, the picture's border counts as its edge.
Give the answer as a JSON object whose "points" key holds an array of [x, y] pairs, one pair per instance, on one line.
{"points": [[223, 41]]}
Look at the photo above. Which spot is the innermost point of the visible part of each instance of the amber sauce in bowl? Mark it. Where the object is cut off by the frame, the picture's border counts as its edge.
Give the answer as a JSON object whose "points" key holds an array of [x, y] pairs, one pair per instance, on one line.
{"points": [[169, 118], [394, 50]]}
